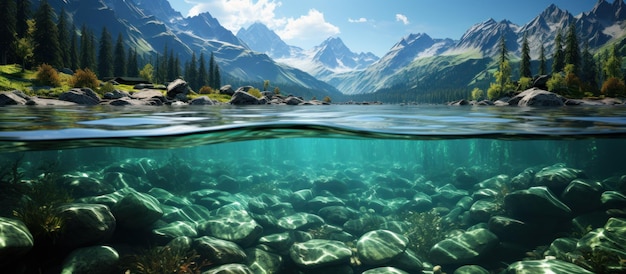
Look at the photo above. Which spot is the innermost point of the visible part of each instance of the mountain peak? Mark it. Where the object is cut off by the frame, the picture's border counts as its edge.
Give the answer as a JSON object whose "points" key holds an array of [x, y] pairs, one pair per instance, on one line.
{"points": [[260, 38]]}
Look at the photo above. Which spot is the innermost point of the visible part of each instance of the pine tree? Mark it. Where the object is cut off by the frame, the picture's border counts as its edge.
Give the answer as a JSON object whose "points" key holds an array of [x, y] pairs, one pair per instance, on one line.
{"points": [[132, 68], [588, 67], [216, 77], [192, 72], [613, 65], [162, 66], [525, 63], [177, 72], [46, 37], [202, 73], [504, 58], [22, 15], [119, 57], [557, 57], [64, 40], [572, 52], [74, 59], [7, 30], [542, 61], [171, 67], [87, 49], [105, 54]]}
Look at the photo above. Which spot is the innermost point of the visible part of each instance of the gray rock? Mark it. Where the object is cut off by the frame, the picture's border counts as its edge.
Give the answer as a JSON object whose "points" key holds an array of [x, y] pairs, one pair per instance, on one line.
{"points": [[482, 210], [15, 240], [535, 203], [300, 221], [243, 98], [385, 270], [202, 101], [167, 198], [294, 101], [613, 199], [380, 246], [85, 224], [148, 94], [583, 196], [137, 210], [176, 87], [408, 260], [81, 185], [561, 247], [608, 243], [116, 94], [91, 260], [230, 269], [227, 89], [523, 180], [35, 101], [545, 266], [261, 261], [81, 96], [467, 247], [319, 202], [364, 224], [10, 98], [535, 97], [318, 253], [337, 215], [218, 251]]}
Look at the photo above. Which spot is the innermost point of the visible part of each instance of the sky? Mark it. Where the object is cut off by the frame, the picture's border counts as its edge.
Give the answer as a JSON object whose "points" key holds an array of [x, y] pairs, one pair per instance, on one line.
{"points": [[369, 25]]}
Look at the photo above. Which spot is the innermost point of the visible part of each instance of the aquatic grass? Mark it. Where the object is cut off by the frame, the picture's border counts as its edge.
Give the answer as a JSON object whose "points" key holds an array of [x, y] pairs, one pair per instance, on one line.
{"points": [[426, 229], [164, 260]]}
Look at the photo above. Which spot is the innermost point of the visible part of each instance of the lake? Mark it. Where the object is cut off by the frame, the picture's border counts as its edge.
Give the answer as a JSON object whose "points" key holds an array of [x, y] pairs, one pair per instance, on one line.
{"points": [[312, 189]]}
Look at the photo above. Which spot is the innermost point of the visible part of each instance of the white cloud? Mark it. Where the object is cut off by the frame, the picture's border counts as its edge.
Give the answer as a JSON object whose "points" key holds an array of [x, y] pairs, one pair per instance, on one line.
{"points": [[402, 18], [235, 14], [360, 20], [311, 26]]}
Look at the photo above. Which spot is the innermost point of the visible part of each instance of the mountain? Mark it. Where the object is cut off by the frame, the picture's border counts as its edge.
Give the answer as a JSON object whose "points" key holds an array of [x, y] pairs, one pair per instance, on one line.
{"points": [[415, 66], [260, 38], [149, 26]]}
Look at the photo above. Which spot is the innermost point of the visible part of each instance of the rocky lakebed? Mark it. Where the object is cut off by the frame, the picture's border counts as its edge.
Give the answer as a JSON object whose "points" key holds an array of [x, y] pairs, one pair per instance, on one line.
{"points": [[141, 216]]}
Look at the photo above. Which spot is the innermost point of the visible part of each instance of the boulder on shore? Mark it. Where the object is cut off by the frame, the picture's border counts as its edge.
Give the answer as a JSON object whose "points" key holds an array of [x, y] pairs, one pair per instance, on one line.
{"points": [[535, 97]]}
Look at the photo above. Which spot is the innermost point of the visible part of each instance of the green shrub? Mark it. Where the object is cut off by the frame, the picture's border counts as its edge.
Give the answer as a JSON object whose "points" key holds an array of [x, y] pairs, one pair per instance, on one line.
{"points": [[478, 94], [84, 79], [206, 90], [107, 87], [255, 92], [47, 76], [525, 83], [327, 99]]}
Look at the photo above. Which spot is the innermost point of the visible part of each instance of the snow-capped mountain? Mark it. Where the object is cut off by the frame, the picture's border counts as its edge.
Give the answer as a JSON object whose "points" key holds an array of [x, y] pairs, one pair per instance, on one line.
{"points": [[260, 38], [485, 37], [150, 26]]}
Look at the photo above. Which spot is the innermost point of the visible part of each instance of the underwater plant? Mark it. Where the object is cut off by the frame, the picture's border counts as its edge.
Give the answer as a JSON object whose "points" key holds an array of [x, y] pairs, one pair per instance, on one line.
{"points": [[426, 229], [601, 261], [173, 176], [164, 260]]}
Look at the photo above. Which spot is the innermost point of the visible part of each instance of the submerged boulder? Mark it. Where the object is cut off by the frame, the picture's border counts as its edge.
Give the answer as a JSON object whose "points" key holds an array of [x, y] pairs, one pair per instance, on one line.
{"points": [[318, 253], [467, 247], [15, 240], [380, 246]]}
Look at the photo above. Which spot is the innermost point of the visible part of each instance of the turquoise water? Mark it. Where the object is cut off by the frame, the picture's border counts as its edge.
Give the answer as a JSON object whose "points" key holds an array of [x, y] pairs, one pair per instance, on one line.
{"points": [[358, 154]]}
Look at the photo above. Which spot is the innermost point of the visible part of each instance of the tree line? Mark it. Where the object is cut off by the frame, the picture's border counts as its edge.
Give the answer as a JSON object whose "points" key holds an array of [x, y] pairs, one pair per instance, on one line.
{"points": [[47, 38], [575, 73]]}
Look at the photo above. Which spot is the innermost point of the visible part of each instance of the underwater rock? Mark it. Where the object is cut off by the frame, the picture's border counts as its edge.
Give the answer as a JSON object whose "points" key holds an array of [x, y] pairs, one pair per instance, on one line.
{"points": [[583, 196], [337, 215], [174, 230], [85, 224], [91, 260], [557, 177], [561, 247], [587, 222], [380, 246], [300, 221], [420, 202], [463, 178], [471, 269], [535, 203], [137, 210], [227, 183], [230, 269], [121, 180], [385, 270], [511, 230], [545, 266], [261, 261], [448, 195], [607, 244], [318, 202], [15, 240], [280, 241], [407, 260], [523, 180], [82, 186], [219, 251], [364, 224], [167, 198], [467, 247], [299, 198], [482, 210], [232, 223], [613, 199], [195, 213], [496, 182], [318, 253], [399, 227]]}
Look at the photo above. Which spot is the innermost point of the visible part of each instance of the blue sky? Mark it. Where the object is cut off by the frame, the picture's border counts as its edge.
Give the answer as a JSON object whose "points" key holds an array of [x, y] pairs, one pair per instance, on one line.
{"points": [[370, 25]]}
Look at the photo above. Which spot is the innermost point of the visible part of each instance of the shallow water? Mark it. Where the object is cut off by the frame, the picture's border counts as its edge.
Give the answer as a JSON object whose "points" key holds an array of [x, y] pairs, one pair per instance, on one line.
{"points": [[272, 149]]}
